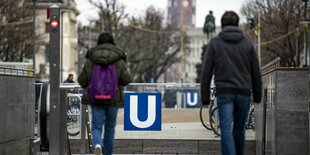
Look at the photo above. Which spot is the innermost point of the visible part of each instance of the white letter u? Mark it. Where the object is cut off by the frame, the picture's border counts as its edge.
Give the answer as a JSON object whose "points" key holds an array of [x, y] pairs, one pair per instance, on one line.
{"points": [[189, 101], [134, 112]]}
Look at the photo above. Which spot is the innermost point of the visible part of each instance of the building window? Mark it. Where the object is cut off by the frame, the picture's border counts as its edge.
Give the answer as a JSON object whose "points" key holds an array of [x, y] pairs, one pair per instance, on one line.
{"points": [[169, 3]]}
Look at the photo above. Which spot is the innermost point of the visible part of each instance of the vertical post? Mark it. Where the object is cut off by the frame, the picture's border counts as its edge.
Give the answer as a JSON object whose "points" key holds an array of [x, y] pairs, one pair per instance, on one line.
{"points": [[308, 49], [305, 34], [183, 68], [305, 43], [89, 35], [297, 48], [82, 126], [259, 40], [57, 124], [61, 45], [305, 11], [182, 55], [34, 34]]}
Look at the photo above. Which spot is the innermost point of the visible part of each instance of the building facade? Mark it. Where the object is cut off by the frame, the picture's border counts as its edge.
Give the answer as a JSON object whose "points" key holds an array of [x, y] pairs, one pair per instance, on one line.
{"points": [[68, 39], [196, 41]]}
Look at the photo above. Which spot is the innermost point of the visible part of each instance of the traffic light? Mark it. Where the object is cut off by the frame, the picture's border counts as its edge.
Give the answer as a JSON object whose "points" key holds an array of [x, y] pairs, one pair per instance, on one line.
{"points": [[251, 23], [54, 20]]}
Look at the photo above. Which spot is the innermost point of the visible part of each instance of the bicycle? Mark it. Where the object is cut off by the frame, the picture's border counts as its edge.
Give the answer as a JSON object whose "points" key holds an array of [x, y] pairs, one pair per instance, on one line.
{"points": [[212, 123], [202, 110], [214, 120]]}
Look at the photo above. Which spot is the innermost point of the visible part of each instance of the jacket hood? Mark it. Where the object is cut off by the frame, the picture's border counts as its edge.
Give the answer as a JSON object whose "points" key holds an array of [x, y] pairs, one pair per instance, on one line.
{"points": [[231, 34], [105, 54]]}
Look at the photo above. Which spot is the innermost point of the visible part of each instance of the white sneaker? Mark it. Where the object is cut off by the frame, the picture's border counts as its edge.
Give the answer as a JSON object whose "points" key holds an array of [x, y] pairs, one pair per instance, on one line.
{"points": [[98, 149]]}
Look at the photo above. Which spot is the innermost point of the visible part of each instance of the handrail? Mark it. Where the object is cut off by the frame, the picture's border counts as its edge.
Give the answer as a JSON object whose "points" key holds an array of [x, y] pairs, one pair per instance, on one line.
{"points": [[76, 85], [271, 66], [164, 84]]}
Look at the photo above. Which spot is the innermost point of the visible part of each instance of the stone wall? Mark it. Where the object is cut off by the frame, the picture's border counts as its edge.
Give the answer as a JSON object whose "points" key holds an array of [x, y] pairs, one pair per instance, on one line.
{"points": [[286, 108], [17, 103]]}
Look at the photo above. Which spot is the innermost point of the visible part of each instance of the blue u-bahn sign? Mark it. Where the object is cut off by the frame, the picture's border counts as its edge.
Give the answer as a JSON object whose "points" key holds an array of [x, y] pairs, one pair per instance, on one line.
{"points": [[142, 111], [191, 98]]}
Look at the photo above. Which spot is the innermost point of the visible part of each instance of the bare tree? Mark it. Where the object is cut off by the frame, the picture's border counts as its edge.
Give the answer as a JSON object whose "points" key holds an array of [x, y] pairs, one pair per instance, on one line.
{"points": [[15, 30], [111, 13], [150, 50], [278, 18]]}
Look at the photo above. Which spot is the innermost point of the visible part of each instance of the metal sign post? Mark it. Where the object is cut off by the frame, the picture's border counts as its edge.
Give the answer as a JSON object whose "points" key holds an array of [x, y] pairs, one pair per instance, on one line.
{"points": [[57, 122]]}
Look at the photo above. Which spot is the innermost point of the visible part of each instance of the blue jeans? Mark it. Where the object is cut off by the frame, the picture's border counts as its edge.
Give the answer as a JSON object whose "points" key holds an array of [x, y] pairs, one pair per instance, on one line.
{"points": [[233, 111], [104, 116]]}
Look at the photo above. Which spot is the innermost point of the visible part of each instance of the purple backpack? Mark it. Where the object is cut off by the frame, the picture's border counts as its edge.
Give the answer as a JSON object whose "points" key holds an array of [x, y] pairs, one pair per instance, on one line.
{"points": [[103, 85]]}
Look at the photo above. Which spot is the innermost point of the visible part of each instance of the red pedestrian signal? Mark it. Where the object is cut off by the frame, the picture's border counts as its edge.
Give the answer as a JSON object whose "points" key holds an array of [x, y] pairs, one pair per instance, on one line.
{"points": [[54, 23]]}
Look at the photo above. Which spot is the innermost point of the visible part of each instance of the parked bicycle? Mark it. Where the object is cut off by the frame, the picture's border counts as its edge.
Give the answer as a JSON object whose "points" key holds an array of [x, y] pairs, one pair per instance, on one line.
{"points": [[205, 111], [210, 119]]}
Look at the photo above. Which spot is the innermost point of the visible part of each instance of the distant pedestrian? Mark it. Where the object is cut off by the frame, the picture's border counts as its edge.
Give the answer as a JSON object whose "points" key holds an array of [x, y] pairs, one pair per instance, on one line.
{"points": [[70, 79], [232, 59], [105, 61]]}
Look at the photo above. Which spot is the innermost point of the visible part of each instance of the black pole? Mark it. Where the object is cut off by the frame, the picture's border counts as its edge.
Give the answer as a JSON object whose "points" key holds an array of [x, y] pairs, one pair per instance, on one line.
{"points": [[57, 121]]}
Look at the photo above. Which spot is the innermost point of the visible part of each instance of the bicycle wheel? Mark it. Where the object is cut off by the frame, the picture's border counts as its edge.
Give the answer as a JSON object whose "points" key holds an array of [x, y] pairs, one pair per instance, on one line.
{"points": [[204, 115], [214, 121], [73, 119]]}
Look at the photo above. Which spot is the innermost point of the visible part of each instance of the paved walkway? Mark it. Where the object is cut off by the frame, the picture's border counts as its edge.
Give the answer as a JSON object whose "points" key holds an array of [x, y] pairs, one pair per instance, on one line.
{"points": [[189, 131], [183, 124]]}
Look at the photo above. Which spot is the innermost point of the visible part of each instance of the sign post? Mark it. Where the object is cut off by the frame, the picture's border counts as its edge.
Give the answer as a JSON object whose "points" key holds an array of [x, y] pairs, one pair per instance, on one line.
{"points": [[57, 117]]}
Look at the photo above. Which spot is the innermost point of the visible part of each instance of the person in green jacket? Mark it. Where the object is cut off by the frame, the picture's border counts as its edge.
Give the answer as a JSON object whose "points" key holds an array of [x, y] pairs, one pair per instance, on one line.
{"points": [[104, 53]]}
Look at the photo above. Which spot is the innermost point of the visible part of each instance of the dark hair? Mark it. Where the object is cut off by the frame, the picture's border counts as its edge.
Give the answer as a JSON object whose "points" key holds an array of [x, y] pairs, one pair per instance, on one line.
{"points": [[70, 75], [105, 38], [230, 18]]}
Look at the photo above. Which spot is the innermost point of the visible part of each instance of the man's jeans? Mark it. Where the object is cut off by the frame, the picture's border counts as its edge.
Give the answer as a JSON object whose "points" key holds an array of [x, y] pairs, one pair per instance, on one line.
{"points": [[233, 111], [104, 116]]}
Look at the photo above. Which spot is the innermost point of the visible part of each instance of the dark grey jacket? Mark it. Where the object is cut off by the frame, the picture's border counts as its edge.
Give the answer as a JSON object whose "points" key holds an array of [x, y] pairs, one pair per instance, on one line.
{"points": [[232, 59]]}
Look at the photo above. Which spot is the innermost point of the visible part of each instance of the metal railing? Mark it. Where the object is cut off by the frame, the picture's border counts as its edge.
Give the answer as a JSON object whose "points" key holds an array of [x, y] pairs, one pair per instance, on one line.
{"points": [[16, 72], [271, 66]]}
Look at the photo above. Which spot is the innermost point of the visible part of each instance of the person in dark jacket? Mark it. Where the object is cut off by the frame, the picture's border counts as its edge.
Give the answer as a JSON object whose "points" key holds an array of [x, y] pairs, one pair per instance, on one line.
{"points": [[70, 79], [232, 59], [104, 53]]}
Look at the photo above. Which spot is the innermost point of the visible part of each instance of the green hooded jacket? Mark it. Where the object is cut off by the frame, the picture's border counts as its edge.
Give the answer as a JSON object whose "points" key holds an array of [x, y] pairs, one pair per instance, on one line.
{"points": [[105, 54]]}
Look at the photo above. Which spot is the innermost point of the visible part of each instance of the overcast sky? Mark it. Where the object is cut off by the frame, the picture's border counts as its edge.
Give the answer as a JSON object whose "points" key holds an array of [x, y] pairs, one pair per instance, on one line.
{"points": [[138, 7]]}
